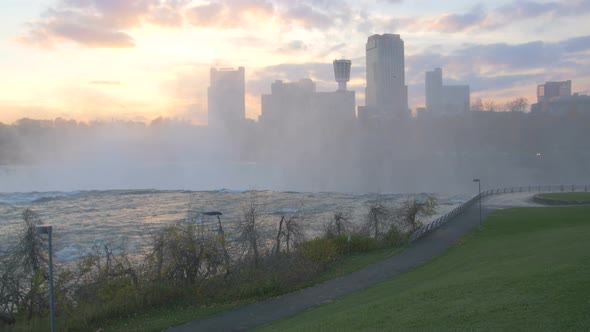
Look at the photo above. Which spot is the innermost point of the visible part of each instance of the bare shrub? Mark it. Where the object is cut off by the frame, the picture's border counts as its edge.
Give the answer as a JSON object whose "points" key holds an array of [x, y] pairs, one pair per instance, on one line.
{"points": [[185, 254], [414, 208], [290, 230], [24, 280], [248, 230], [379, 218], [340, 225]]}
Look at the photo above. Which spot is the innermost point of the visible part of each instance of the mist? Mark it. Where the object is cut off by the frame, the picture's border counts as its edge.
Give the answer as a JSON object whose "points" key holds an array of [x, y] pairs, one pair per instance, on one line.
{"points": [[432, 154]]}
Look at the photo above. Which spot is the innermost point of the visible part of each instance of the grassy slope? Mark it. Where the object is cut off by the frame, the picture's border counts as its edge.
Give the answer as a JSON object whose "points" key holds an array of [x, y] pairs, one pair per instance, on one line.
{"points": [[159, 319], [577, 196], [527, 269]]}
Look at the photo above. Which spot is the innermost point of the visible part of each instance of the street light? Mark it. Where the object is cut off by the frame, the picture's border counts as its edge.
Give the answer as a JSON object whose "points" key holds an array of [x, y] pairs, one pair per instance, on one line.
{"points": [[216, 214], [48, 230], [479, 187]]}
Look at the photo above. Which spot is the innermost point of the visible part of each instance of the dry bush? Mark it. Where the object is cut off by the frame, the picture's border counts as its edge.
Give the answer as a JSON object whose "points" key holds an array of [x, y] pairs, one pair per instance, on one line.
{"points": [[340, 225], [185, 254], [290, 230], [24, 274], [410, 212], [379, 219]]}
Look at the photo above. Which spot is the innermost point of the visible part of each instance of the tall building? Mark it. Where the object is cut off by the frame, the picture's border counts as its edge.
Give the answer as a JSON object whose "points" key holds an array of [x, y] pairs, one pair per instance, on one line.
{"points": [[445, 99], [434, 90], [226, 97], [386, 92], [553, 90]]}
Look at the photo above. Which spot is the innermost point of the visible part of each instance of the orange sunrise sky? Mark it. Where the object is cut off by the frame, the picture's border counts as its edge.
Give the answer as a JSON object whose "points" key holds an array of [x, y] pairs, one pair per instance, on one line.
{"points": [[137, 60]]}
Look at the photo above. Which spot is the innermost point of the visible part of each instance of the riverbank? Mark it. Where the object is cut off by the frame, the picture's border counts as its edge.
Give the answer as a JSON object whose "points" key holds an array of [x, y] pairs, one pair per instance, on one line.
{"points": [[525, 269]]}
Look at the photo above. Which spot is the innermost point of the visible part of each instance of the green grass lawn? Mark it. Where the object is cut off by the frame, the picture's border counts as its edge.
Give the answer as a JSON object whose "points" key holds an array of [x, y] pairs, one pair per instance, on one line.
{"points": [[525, 269], [576, 196]]}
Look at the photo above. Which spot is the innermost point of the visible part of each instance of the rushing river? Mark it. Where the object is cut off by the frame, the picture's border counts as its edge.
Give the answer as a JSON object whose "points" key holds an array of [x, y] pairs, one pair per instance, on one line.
{"points": [[127, 217]]}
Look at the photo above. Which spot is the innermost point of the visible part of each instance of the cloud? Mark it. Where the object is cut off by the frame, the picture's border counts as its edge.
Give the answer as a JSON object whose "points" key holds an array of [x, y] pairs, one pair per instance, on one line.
{"points": [[528, 8], [504, 56], [307, 14], [90, 35], [332, 49], [109, 23], [480, 83], [480, 18], [168, 13], [577, 44], [107, 82], [533, 9], [229, 14], [208, 15], [460, 22], [99, 23], [308, 17], [293, 46]]}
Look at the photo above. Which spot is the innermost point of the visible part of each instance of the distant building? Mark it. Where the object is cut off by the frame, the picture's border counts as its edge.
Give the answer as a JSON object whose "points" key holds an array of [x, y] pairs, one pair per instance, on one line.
{"points": [[549, 90], [456, 99], [434, 90], [557, 98], [299, 104], [575, 103], [226, 97], [386, 93], [287, 102], [445, 99], [422, 112]]}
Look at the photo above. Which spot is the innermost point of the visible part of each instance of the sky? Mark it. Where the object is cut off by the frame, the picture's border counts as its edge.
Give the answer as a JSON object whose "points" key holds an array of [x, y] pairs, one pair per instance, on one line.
{"points": [[141, 59]]}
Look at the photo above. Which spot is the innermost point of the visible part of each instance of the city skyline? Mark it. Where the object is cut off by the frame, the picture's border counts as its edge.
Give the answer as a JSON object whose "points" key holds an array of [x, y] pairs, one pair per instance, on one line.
{"points": [[98, 59]]}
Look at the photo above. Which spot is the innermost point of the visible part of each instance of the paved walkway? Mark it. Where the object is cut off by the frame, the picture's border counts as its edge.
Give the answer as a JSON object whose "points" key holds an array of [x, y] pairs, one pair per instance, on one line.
{"points": [[432, 245]]}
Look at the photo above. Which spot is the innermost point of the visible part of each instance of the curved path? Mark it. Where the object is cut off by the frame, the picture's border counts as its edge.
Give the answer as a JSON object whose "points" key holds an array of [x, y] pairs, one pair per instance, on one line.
{"points": [[420, 252]]}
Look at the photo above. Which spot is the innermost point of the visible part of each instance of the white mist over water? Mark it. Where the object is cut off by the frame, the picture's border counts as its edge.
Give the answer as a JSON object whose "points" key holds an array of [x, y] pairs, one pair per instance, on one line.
{"points": [[149, 175]]}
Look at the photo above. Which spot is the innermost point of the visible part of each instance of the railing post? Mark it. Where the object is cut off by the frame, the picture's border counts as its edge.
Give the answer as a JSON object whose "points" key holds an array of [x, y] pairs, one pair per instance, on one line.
{"points": [[573, 188]]}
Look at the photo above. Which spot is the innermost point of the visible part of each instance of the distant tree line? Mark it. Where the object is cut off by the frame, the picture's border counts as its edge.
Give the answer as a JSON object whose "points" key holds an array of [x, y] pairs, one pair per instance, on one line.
{"points": [[517, 105]]}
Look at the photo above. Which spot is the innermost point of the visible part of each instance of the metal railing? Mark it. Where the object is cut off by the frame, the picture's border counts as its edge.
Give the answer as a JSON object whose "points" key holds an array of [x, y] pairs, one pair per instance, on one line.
{"points": [[426, 229]]}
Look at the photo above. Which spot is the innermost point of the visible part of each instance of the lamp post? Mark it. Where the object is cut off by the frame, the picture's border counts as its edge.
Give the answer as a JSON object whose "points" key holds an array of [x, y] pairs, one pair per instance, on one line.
{"points": [[221, 234], [48, 230], [216, 214], [479, 194]]}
